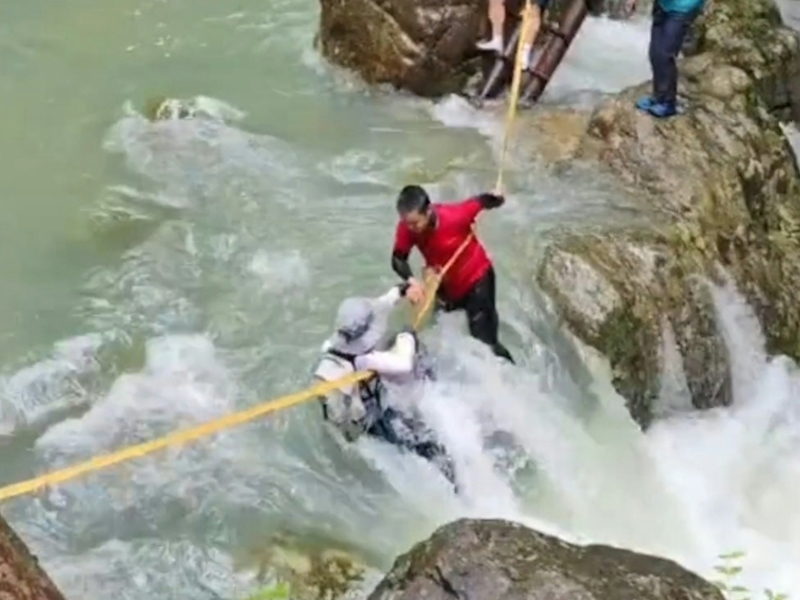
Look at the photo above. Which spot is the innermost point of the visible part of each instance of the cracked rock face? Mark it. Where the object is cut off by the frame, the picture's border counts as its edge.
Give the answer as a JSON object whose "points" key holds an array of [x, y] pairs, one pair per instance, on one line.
{"points": [[424, 46], [498, 560]]}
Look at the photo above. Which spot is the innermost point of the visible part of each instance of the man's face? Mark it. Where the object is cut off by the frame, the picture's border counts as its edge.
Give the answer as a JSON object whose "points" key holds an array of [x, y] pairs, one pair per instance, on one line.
{"points": [[417, 221]]}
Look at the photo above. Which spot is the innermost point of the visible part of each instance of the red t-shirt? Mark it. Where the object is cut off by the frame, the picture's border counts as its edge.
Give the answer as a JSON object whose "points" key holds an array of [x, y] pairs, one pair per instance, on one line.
{"points": [[453, 225]]}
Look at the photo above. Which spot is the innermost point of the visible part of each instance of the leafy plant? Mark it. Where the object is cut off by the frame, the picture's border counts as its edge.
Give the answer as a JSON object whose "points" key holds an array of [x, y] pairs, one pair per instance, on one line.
{"points": [[729, 569], [279, 591]]}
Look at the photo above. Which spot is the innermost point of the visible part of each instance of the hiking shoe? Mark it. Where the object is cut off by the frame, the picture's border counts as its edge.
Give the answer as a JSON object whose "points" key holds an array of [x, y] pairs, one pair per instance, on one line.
{"points": [[663, 110], [645, 103], [492, 45]]}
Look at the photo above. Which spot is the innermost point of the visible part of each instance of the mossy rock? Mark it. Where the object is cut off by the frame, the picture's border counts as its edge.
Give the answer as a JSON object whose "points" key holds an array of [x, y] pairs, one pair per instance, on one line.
{"points": [[310, 570], [498, 560]]}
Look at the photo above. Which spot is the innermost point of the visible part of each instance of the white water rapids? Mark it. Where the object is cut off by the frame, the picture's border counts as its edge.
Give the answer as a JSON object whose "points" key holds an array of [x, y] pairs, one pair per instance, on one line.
{"points": [[221, 248]]}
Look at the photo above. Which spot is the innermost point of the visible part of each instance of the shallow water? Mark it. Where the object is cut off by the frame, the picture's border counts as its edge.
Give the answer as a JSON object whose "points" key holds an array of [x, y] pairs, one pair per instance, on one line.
{"points": [[162, 274]]}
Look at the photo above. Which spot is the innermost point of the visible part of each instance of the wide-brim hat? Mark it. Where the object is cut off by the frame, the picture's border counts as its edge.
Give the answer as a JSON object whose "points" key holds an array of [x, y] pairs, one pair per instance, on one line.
{"points": [[360, 325]]}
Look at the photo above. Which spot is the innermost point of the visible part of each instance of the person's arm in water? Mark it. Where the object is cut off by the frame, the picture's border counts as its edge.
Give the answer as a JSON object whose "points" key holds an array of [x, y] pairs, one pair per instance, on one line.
{"points": [[398, 360]]}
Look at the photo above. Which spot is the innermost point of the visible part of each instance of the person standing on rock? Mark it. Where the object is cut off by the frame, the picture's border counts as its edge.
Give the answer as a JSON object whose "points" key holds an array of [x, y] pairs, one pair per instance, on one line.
{"points": [[497, 18], [671, 22], [438, 231]]}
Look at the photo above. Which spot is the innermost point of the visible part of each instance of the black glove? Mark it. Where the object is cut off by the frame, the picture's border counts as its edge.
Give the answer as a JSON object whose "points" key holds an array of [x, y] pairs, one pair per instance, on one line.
{"points": [[403, 287], [489, 201]]}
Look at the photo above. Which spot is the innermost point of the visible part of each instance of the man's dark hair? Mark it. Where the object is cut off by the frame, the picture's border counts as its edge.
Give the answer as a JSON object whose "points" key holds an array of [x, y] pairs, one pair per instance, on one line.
{"points": [[412, 198]]}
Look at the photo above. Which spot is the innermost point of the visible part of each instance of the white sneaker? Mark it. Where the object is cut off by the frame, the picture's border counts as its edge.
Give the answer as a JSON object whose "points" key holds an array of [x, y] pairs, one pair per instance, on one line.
{"points": [[492, 45]]}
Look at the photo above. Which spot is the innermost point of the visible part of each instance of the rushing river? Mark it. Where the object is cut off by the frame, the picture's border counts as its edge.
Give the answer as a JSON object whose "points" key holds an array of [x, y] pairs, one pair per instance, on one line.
{"points": [[156, 275]]}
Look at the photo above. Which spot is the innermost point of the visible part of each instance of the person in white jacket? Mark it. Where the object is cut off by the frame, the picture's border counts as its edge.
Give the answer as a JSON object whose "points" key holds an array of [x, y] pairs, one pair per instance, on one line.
{"points": [[362, 408]]}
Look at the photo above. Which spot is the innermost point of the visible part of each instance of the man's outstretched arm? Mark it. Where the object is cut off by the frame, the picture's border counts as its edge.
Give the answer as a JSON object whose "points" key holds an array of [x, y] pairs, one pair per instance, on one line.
{"points": [[469, 209], [490, 200]]}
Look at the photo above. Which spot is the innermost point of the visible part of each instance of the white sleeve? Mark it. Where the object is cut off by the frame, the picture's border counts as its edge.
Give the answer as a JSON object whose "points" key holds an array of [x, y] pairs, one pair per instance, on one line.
{"points": [[399, 360], [389, 299]]}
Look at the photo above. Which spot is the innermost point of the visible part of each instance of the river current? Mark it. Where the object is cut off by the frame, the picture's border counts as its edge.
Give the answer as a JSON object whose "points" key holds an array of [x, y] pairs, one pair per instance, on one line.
{"points": [[160, 274]]}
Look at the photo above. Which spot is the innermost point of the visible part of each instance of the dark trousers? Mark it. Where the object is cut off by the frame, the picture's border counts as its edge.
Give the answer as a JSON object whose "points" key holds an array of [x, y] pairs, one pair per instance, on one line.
{"points": [[482, 317], [413, 435], [666, 39]]}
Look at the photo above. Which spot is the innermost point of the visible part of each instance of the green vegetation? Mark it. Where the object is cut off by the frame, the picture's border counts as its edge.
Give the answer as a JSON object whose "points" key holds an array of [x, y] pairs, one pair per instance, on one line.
{"points": [[313, 575], [729, 570], [278, 591]]}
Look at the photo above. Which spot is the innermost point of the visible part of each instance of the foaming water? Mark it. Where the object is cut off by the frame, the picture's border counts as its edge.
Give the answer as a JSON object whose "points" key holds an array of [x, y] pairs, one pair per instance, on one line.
{"points": [[606, 56], [235, 236], [734, 471], [33, 393], [697, 485]]}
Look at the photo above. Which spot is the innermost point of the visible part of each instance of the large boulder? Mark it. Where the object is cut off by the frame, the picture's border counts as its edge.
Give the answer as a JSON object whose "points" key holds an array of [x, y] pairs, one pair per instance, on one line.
{"points": [[21, 578], [498, 560], [722, 191], [426, 47]]}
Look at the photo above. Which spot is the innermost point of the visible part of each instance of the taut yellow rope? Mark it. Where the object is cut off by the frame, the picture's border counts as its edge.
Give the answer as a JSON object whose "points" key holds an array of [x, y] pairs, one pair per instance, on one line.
{"points": [[432, 283], [511, 113], [187, 435]]}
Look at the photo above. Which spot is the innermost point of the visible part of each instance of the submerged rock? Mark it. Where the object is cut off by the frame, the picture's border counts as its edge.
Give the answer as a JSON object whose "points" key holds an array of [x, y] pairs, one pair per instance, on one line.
{"points": [[498, 560], [310, 569], [722, 188], [169, 109]]}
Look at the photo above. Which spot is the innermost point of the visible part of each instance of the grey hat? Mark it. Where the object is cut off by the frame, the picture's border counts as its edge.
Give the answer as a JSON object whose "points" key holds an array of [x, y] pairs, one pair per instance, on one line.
{"points": [[360, 325]]}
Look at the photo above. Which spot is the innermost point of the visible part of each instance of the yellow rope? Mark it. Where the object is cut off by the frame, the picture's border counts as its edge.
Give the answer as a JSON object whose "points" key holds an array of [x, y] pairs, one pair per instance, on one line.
{"points": [[432, 283], [525, 28], [186, 435], [178, 437]]}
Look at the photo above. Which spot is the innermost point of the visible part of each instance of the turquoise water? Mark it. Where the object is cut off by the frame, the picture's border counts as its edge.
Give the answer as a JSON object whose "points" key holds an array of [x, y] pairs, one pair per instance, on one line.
{"points": [[157, 275]]}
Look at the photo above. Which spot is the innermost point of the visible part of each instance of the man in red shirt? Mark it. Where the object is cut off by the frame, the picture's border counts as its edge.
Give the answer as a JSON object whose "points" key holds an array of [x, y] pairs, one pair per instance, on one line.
{"points": [[438, 230]]}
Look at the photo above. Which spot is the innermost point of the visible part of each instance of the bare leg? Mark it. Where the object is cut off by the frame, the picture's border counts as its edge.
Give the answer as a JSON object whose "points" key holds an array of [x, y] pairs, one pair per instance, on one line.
{"points": [[533, 31], [497, 17]]}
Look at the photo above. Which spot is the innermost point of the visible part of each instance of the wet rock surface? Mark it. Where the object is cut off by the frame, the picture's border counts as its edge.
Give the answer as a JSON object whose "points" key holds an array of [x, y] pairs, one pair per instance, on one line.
{"points": [[428, 47], [21, 578], [425, 47], [722, 190], [498, 560]]}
